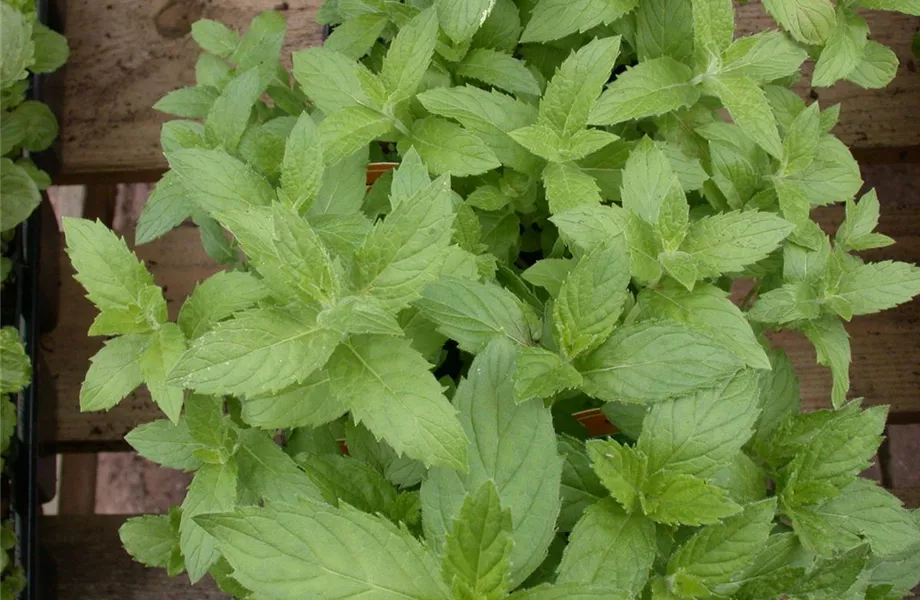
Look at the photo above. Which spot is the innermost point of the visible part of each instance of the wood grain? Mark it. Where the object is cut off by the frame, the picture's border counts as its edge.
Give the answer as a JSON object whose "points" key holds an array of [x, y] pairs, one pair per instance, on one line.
{"points": [[886, 347], [125, 55], [89, 562]]}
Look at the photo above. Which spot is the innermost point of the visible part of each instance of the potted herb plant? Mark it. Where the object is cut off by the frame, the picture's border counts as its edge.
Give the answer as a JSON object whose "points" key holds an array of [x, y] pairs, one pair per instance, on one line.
{"points": [[26, 126], [570, 212]]}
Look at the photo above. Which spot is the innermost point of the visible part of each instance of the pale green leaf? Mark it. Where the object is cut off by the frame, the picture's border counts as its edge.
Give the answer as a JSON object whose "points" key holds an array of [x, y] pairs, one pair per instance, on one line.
{"points": [[763, 57], [647, 179], [729, 242], [228, 117], [308, 404], [355, 37], [478, 549], [675, 499], [409, 55], [166, 345], [584, 228], [166, 444], [213, 489], [448, 148], [215, 37], [650, 362], [39, 123], [270, 474], [166, 208], [568, 187], [347, 131], [808, 21], [499, 70], [113, 373], [289, 551], [878, 67], [302, 166], [844, 50], [791, 302], [747, 104], [149, 539], [16, 46], [548, 273], [621, 469], [20, 195], [610, 548], [259, 350], [591, 298], [359, 314], [713, 24], [335, 82], [664, 28], [217, 298], [540, 373], [473, 313], [653, 87], [555, 19], [874, 287], [216, 181], [526, 469], [389, 388]]}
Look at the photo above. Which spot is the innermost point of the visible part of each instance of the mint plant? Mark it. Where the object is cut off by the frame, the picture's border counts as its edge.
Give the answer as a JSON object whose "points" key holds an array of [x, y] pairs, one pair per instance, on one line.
{"points": [[376, 395], [26, 47]]}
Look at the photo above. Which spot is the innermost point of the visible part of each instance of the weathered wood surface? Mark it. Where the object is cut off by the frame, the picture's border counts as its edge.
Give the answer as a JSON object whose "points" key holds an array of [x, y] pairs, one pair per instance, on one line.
{"points": [[886, 347], [126, 55], [89, 563]]}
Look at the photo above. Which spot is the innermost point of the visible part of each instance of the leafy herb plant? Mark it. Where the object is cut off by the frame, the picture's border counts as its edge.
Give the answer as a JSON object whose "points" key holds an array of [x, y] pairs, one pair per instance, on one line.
{"points": [[26, 46], [563, 231]]}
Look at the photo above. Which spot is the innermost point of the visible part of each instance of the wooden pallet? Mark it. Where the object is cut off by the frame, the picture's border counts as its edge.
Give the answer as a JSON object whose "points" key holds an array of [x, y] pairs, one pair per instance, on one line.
{"points": [[125, 55]]}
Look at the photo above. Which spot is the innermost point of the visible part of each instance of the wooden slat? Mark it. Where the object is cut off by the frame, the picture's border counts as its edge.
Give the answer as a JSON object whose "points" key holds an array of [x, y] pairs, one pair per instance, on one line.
{"points": [[125, 55], [89, 562]]}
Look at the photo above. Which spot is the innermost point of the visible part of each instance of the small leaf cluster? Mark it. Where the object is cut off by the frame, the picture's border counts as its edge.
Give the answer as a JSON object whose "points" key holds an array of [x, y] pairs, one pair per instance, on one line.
{"points": [[563, 231]]}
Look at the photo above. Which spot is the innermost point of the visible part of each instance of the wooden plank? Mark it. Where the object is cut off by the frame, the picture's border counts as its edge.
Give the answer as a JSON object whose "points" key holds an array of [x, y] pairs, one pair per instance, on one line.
{"points": [[886, 347], [909, 496], [78, 484], [89, 562], [126, 55]]}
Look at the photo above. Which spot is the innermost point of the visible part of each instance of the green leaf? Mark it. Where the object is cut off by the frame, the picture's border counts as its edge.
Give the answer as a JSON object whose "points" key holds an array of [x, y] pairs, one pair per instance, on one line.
{"points": [[20, 195], [167, 444], [801, 141], [526, 469], [650, 362], [874, 287], [609, 547], [569, 187], [716, 553], [215, 37], [763, 57], [621, 469], [448, 148], [150, 539], [216, 298], [16, 46], [808, 21], [555, 19], [570, 94], [39, 123], [499, 70], [586, 227], [188, 102], [713, 24], [877, 68], [261, 44], [270, 474], [389, 388], [259, 350], [548, 273], [568, 592], [791, 302], [359, 314], [844, 49], [113, 373], [166, 345], [730, 241], [488, 115], [343, 189], [214, 489], [401, 471], [653, 87], [346, 480], [460, 19], [833, 577], [700, 433], [166, 208], [228, 117], [404, 251], [664, 28], [502, 29], [355, 37], [856, 231], [708, 310], [591, 298], [409, 56], [288, 551], [304, 262], [51, 49], [647, 179], [335, 82], [347, 131], [862, 511], [675, 499], [473, 313], [15, 370], [580, 485], [216, 181], [302, 167], [309, 404], [540, 373], [749, 109], [478, 550], [832, 345]]}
